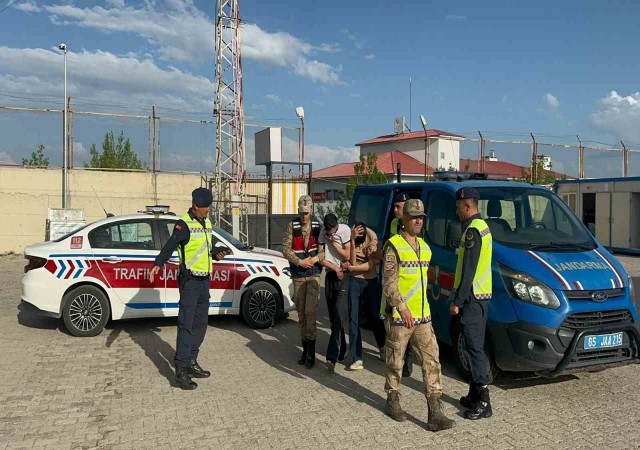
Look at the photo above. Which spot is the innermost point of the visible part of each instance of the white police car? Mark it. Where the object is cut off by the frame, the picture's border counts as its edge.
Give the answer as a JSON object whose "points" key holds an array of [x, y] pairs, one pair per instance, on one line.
{"points": [[101, 272]]}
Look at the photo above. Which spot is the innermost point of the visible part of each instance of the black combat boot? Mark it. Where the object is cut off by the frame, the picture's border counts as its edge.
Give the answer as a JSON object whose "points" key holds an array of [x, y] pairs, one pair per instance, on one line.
{"points": [[393, 408], [303, 358], [482, 408], [311, 354], [469, 400], [196, 371], [437, 420], [407, 369], [183, 379]]}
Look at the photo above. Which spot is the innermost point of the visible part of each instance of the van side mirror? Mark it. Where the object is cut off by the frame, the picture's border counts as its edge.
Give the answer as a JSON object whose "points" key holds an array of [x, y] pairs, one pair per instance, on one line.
{"points": [[454, 234]]}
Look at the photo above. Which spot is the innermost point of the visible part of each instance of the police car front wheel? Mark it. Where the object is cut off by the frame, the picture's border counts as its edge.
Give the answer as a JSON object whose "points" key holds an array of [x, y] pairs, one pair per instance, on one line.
{"points": [[85, 311], [261, 305]]}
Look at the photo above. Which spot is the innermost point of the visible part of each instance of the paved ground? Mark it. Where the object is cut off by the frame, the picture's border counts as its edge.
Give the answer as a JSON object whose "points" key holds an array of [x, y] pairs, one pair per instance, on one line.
{"points": [[113, 391]]}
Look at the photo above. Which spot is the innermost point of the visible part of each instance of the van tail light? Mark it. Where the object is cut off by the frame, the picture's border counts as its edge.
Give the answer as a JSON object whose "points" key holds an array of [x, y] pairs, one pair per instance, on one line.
{"points": [[34, 262]]}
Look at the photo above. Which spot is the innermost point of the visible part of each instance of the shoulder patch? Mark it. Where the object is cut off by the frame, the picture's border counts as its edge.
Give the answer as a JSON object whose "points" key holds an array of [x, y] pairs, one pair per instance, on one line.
{"points": [[469, 235]]}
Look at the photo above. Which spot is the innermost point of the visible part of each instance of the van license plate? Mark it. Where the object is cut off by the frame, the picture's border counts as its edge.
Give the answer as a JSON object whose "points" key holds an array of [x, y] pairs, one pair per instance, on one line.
{"points": [[603, 341]]}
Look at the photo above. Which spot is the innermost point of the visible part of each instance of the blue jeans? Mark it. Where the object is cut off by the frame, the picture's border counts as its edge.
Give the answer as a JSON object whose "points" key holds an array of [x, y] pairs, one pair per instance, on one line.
{"points": [[369, 292]]}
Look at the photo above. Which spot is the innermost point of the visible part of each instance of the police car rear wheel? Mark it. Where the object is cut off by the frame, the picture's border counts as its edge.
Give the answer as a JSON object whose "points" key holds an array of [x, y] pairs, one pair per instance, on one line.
{"points": [[261, 305], [85, 311], [461, 359]]}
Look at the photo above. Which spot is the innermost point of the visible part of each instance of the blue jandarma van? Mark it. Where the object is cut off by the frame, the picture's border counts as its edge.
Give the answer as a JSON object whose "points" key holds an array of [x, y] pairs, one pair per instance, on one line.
{"points": [[561, 302]]}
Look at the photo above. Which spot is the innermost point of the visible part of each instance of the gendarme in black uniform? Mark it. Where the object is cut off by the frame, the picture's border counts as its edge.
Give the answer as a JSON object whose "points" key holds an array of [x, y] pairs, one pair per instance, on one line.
{"points": [[473, 304], [194, 286]]}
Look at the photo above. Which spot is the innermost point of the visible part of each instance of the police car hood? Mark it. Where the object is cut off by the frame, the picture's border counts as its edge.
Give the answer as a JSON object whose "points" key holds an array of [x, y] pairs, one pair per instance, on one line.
{"points": [[568, 271]]}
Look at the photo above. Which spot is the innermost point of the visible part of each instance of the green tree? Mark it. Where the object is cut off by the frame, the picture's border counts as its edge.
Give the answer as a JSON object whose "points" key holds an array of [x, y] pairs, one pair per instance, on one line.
{"points": [[543, 177], [37, 158], [115, 155], [366, 172]]}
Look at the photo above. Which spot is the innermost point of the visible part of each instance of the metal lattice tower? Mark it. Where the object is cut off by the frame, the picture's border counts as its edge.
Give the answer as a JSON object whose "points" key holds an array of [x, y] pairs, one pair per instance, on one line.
{"points": [[229, 114]]}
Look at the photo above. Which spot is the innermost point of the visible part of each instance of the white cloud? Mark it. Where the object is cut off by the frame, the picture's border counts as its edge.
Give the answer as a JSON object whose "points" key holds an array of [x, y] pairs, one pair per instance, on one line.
{"points": [[358, 42], [455, 17], [29, 6], [370, 56], [551, 101], [104, 77], [619, 116], [322, 156], [183, 33], [273, 98]]}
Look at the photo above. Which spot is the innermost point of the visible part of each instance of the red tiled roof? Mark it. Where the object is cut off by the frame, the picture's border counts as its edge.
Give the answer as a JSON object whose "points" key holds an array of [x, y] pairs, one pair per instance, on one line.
{"points": [[408, 136], [386, 164], [499, 168]]}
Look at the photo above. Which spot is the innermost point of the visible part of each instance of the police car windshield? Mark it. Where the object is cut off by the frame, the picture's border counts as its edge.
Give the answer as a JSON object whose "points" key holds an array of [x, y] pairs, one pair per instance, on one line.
{"points": [[229, 238], [530, 218]]}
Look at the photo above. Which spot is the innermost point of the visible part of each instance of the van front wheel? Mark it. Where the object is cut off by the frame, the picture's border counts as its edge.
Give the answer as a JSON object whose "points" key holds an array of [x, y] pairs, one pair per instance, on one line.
{"points": [[461, 358]]}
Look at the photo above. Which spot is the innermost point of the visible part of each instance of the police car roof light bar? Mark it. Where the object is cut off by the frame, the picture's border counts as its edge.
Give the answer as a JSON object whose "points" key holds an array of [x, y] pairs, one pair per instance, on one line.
{"points": [[156, 209], [452, 175]]}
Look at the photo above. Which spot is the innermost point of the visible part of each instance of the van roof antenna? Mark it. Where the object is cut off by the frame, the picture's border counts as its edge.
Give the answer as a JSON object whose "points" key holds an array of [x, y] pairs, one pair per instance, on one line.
{"points": [[101, 205]]}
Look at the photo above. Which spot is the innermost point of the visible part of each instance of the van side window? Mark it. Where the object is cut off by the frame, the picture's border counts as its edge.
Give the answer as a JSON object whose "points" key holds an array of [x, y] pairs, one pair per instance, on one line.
{"points": [[371, 208], [441, 209]]}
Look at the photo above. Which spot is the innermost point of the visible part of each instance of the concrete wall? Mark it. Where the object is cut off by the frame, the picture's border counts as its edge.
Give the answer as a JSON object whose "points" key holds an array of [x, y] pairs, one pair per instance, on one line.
{"points": [[26, 195]]}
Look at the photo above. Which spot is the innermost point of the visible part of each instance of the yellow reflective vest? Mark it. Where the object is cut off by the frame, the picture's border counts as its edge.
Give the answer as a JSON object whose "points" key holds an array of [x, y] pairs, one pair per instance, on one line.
{"points": [[482, 288], [197, 252], [412, 274]]}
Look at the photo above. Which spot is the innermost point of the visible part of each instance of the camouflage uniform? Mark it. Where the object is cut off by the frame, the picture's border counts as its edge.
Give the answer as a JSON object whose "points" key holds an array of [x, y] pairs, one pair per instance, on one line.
{"points": [[421, 337], [306, 290]]}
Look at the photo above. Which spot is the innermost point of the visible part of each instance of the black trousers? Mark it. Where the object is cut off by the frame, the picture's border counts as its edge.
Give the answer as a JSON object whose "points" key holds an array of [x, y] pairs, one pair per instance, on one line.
{"points": [[193, 318], [335, 292], [473, 319]]}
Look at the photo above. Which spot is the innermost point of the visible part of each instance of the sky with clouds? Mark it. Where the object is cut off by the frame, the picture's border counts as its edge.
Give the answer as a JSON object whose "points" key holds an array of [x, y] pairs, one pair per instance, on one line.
{"points": [[557, 69]]}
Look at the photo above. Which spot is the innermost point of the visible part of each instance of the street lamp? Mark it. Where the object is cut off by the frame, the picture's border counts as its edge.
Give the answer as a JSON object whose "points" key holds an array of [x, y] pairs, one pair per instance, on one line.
{"points": [[423, 121], [65, 164], [300, 114]]}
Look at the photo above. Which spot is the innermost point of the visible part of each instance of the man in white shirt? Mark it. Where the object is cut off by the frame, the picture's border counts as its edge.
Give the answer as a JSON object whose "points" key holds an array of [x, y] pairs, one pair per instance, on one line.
{"points": [[336, 238]]}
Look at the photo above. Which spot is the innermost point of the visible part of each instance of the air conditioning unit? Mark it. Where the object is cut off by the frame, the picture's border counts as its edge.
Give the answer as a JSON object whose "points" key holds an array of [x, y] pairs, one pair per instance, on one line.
{"points": [[398, 125]]}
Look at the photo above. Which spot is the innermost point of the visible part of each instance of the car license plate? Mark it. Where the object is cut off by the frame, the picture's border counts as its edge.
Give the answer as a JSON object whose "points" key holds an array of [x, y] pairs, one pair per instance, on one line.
{"points": [[603, 341]]}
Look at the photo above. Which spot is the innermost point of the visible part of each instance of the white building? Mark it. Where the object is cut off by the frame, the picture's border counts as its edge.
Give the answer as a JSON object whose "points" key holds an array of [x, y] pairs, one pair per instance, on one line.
{"points": [[442, 147]]}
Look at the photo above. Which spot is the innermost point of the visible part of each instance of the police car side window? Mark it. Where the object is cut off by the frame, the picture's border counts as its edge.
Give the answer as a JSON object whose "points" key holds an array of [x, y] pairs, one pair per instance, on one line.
{"points": [[441, 210], [131, 235]]}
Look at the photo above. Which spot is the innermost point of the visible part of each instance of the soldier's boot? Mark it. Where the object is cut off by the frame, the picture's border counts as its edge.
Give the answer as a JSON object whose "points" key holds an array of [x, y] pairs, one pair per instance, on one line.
{"points": [[311, 354], [407, 369], [303, 358], [183, 379], [482, 408], [196, 371], [437, 420], [393, 408], [469, 400]]}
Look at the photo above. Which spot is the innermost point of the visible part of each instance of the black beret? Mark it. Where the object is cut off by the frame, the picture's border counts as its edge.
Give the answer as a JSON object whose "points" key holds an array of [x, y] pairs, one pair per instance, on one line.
{"points": [[401, 197], [467, 192], [202, 197]]}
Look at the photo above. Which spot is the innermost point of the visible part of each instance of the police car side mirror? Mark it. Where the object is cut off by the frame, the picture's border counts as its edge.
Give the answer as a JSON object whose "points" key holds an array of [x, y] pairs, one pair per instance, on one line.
{"points": [[454, 234]]}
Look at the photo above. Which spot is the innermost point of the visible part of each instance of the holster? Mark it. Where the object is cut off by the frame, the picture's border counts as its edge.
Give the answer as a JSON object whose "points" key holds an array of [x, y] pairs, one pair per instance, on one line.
{"points": [[184, 275]]}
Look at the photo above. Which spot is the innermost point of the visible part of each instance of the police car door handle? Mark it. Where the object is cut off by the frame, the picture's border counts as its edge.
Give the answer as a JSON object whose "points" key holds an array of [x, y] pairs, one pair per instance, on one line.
{"points": [[112, 259], [174, 261], [241, 269]]}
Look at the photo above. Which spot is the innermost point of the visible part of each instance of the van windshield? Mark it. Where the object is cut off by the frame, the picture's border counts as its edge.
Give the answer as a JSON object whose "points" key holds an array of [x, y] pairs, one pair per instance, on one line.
{"points": [[532, 219]]}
